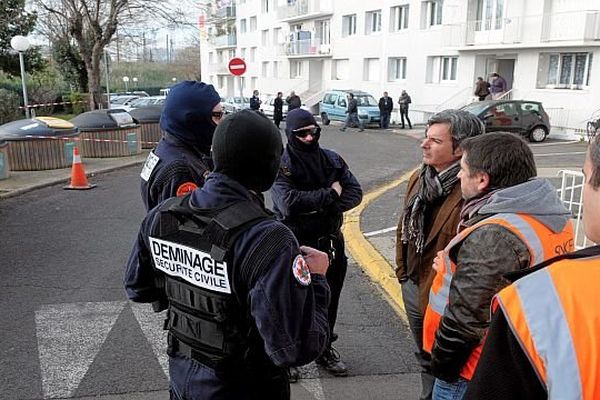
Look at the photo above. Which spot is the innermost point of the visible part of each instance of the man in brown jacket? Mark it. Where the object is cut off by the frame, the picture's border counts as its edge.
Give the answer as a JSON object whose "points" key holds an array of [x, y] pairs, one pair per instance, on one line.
{"points": [[430, 219]]}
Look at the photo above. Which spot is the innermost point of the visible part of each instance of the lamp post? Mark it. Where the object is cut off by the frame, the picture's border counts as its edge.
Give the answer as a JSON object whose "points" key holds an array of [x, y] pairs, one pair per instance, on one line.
{"points": [[126, 80], [135, 81], [21, 44], [174, 80]]}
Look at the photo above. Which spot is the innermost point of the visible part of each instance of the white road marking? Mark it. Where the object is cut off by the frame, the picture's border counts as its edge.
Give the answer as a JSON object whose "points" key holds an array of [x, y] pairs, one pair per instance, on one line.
{"points": [[310, 380], [151, 324], [375, 233], [69, 338]]}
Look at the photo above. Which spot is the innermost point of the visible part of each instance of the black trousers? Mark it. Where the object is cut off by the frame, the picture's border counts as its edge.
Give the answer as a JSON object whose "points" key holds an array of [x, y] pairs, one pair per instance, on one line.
{"points": [[336, 274], [404, 113]]}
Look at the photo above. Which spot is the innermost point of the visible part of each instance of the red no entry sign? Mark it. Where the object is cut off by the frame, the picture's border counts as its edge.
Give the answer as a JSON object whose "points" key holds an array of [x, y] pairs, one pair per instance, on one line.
{"points": [[237, 66]]}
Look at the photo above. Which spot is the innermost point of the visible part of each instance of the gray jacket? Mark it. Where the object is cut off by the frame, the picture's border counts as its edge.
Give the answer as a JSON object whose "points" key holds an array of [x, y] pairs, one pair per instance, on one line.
{"points": [[481, 260]]}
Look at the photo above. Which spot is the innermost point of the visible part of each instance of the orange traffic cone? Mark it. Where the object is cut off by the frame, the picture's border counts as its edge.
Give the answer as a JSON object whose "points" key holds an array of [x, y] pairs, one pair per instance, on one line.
{"points": [[78, 179]]}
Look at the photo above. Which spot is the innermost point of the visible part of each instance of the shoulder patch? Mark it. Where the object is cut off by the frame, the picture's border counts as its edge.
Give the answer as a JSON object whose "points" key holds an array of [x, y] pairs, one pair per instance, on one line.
{"points": [[149, 165], [300, 270], [186, 188]]}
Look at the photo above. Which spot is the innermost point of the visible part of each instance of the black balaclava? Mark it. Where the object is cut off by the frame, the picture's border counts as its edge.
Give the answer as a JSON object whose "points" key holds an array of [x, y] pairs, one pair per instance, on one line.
{"points": [[187, 114], [247, 147], [308, 162]]}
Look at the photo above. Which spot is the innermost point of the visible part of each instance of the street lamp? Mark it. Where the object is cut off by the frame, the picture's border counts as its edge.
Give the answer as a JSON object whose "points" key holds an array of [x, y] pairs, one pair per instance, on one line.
{"points": [[21, 44], [135, 81], [125, 80], [174, 80]]}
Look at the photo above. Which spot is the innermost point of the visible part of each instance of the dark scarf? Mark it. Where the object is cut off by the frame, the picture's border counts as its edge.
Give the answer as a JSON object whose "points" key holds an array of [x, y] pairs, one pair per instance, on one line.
{"points": [[472, 206], [432, 186], [308, 163]]}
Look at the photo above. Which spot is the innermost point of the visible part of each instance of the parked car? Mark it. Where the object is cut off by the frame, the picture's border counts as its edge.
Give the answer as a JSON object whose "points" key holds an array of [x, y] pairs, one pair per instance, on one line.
{"points": [[235, 103], [122, 101], [527, 118], [334, 105], [268, 107], [145, 101]]}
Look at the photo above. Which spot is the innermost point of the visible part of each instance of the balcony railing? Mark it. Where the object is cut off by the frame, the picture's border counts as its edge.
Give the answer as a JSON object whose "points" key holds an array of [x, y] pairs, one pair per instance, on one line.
{"points": [[528, 30], [304, 8], [225, 40], [578, 25], [309, 47], [219, 68], [225, 12]]}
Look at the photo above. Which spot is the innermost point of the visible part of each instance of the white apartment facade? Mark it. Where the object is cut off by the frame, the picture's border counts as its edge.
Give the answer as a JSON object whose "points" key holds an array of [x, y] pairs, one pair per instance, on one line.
{"points": [[547, 50]]}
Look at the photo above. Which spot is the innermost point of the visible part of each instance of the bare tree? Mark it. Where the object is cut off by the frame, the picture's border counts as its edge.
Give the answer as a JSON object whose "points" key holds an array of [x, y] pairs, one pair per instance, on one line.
{"points": [[92, 24]]}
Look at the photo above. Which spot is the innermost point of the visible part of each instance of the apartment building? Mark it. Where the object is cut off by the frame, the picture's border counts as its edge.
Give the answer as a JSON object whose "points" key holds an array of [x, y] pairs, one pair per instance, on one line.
{"points": [[547, 50]]}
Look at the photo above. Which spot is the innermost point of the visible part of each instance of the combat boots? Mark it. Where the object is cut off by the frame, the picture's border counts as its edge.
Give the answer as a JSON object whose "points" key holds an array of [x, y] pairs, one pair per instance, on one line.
{"points": [[331, 361]]}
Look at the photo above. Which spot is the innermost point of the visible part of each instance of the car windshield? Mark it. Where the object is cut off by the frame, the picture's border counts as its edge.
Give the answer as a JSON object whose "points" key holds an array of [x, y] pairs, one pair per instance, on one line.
{"points": [[238, 100], [475, 108], [365, 100], [140, 102]]}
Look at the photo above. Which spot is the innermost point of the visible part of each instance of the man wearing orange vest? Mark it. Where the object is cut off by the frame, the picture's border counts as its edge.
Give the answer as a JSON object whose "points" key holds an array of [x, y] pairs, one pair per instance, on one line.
{"points": [[510, 221], [544, 336]]}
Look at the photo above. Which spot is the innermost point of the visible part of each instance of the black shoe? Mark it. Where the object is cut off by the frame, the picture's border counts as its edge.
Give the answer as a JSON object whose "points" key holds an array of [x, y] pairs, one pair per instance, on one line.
{"points": [[330, 360], [343, 129], [293, 374]]}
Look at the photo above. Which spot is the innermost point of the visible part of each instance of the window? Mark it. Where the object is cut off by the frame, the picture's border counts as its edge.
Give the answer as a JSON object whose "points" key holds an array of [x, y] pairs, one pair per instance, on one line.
{"points": [[220, 57], [490, 15], [243, 28], [330, 98], [252, 24], [221, 80], [243, 53], [342, 101], [431, 13], [399, 18], [449, 68], [252, 54], [264, 6], [564, 70], [295, 69], [264, 37], [264, 69], [348, 25], [397, 69], [371, 69], [211, 57], [373, 21], [277, 36], [275, 69], [441, 69], [530, 108], [322, 33], [254, 82], [341, 69]]}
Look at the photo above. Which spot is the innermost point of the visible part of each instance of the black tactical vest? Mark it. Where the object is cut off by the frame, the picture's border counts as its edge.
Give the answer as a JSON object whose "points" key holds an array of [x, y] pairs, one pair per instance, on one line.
{"points": [[206, 320]]}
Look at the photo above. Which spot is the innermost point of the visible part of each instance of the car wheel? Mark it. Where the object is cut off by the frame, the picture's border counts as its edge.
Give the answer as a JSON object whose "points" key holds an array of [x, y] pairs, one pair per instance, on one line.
{"points": [[325, 119], [538, 134]]}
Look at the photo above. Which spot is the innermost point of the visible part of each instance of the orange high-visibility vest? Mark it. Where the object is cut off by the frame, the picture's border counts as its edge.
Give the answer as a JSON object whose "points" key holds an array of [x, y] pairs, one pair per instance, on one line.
{"points": [[555, 315], [541, 242]]}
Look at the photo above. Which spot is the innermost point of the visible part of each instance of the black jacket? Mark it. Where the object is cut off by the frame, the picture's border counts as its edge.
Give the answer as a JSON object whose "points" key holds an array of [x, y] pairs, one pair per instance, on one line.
{"points": [[386, 105]]}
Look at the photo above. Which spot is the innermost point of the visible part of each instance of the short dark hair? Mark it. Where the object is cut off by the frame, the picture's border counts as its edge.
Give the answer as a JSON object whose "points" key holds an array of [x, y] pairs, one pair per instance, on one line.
{"points": [[594, 154], [505, 157], [351, 95], [462, 124]]}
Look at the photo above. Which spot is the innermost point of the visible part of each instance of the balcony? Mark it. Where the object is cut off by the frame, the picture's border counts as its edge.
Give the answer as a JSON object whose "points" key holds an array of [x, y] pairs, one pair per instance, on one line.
{"points": [[224, 41], [299, 10], [223, 13], [218, 68], [305, 48], [572, 28]]}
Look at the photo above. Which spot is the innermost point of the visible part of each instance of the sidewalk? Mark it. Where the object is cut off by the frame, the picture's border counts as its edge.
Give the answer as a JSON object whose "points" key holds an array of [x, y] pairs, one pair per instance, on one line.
{"points": [[20, 182]]}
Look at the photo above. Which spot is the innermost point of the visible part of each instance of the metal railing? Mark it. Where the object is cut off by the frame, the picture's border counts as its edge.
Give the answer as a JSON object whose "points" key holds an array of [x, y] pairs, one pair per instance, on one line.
{"points": [[298, 8], [571, 194], [225, 40], [577, 25], [308, 47]]}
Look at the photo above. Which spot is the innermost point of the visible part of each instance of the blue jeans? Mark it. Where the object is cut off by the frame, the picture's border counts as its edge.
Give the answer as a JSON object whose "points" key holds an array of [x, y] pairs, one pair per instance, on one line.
{"points": [[385, 120], [443, 390], [353, 118]]}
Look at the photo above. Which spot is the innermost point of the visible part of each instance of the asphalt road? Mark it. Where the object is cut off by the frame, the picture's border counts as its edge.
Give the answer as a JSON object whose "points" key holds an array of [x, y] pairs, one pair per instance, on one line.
{"points": [[68, 330]]}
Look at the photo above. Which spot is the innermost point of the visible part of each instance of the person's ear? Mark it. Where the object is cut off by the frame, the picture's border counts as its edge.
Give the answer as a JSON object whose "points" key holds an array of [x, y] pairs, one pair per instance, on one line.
{"points": [[484, 181]]}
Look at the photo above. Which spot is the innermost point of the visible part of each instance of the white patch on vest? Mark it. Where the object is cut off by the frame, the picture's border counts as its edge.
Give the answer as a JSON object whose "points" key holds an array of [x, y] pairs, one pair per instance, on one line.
{"points": [[300, 271], [149, 165], [191, 265]]}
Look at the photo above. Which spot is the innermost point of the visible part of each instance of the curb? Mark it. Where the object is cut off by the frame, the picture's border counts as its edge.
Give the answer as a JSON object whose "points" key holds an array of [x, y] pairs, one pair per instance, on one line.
{"points": [[368, 257], [56, 181]]}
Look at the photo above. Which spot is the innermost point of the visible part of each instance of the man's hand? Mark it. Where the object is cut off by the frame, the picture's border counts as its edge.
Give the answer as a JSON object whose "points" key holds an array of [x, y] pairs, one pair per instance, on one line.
{"points": [[318, 261], [337, 187]]}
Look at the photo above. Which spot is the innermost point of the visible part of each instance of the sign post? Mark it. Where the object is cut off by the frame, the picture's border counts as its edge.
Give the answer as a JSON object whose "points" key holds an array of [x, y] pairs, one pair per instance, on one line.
{"points": [[237, 67]]}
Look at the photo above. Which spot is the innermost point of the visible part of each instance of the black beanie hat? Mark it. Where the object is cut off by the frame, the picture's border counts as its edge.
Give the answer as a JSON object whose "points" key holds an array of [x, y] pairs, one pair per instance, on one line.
{"points": [[298, 118], [247, 147]]}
